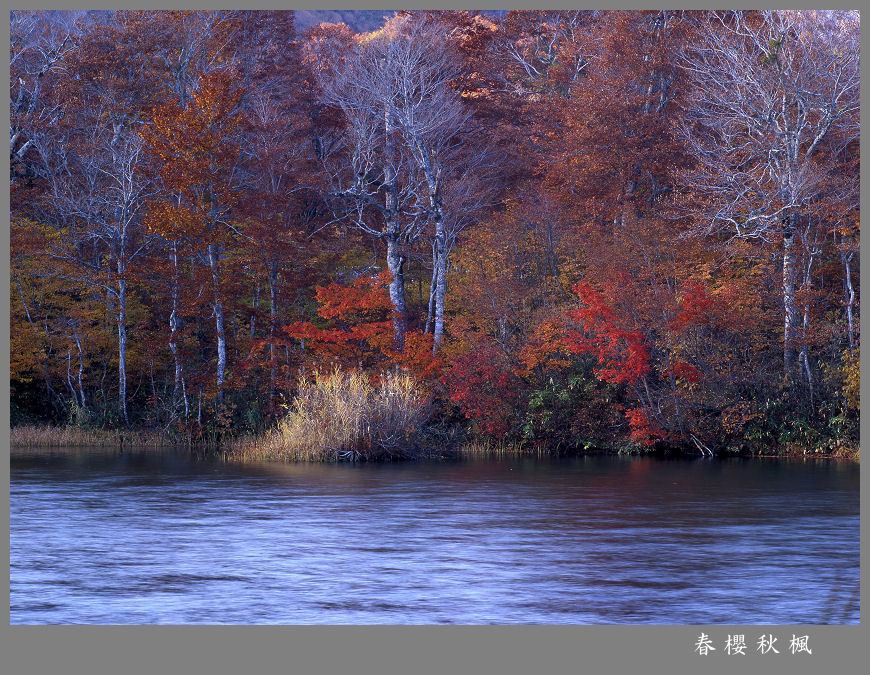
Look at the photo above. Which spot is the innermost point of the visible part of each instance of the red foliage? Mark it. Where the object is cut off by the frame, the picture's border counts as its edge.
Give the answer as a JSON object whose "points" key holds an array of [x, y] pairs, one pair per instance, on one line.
{"points": [[482, 383], [361, 328], [418, 357], [366, 299], [623, 358], [644, 430], [359, 317], [694, 309], [687, 371]]}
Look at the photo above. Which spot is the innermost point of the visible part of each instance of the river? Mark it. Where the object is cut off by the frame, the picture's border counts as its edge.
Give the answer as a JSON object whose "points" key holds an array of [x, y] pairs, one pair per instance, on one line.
{"points": [[159, 537]]}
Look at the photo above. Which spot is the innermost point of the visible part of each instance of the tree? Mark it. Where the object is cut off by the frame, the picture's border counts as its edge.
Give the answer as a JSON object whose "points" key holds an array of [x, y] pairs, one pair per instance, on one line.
{"points": [[198, 152], [38, 45], [415, 82], [772, 110], [92, 163], [353, 330], [406, 121], [284, 208]]}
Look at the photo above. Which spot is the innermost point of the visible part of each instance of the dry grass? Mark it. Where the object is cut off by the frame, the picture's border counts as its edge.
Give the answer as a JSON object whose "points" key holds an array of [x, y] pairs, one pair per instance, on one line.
{"points": [[853, 453], [340, 416], [68, 436], [486, 448]]}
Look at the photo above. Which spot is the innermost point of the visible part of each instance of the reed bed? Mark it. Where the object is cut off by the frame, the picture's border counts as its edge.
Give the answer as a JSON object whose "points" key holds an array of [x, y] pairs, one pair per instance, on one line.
{"points": [[487, 448], [339, 416], [69, 436]]}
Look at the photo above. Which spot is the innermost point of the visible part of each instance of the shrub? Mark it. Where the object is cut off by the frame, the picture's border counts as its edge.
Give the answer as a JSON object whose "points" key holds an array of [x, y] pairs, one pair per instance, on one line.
{"points": [[486, 389], [345, 415]]}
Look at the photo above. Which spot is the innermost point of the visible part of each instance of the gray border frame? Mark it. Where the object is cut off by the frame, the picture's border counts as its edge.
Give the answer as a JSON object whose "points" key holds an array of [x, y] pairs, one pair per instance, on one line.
{"points": [[404, 649]]}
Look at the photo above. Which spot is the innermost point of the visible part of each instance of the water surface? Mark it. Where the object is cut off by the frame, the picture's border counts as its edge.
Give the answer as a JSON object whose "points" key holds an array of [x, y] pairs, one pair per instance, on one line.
{"points": [[159, 537]]}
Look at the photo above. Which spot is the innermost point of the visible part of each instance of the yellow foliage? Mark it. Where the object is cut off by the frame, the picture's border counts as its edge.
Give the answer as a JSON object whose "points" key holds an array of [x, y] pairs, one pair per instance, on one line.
{"points": [[851, 370]]}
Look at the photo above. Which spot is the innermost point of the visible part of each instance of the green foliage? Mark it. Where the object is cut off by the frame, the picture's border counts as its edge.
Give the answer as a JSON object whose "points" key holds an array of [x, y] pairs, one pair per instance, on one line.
{"points": [[78, 416], [782, 426], [572, 409]]}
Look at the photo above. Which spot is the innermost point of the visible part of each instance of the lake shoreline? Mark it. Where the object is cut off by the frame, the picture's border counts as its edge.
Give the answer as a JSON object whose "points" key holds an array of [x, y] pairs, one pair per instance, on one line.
{"points": [[245, 449]]}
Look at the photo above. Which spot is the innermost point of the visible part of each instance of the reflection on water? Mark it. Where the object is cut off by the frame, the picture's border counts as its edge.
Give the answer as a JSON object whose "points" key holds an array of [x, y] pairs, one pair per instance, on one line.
{"points": [[148, 538]]}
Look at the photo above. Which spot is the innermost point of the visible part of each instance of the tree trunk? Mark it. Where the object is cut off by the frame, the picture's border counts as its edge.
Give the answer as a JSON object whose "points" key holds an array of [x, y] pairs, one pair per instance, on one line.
{"points": [[430, 312], [440, 283], [81, 367], [433, 182], [175, 325], [395, 259], [804, 354], [850, 298], [255, 305], [273, 322], [72, 390], [396, 263], [122, 345], [219, 322], [788, 276]]}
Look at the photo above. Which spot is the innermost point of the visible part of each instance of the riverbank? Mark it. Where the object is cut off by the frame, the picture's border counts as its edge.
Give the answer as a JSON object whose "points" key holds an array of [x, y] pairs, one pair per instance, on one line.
{"points": [[33, 436], [270, 447], [506, 449]]}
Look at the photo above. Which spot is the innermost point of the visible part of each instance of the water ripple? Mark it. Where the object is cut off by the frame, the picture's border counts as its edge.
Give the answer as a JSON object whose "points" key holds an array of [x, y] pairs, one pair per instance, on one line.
{"points": [[156, 538]]}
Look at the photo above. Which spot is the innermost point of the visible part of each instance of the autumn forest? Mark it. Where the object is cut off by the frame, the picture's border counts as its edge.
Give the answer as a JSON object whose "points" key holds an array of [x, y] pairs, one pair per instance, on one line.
{"points": [[571, 230]]}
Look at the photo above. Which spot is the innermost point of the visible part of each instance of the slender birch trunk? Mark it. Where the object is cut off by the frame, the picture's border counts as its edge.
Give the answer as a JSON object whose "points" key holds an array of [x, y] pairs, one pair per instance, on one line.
{"points": [[788, 277], [430, 312], [175, 327], [440, 284], [255, 305], [396, 264], [81, 367], [395, 258], [850, 297], [219, 321], [804, 355], [273, 322], [122, 344]]}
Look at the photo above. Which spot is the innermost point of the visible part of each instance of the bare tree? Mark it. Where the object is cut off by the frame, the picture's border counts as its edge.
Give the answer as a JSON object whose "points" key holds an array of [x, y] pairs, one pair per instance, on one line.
{"points": [[97, 190], [38, 44], [430, 114], [533, 42], [408, 124], [189, 43], [772, 108], [376, 178]]}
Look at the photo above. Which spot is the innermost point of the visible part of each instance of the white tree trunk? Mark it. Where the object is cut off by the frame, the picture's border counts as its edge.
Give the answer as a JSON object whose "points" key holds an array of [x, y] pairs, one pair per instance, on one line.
{"points": [[430, 312], [850, 299], [81, 367], [175, 325], [395, 264], [788, 276], [122, 345], [219, 321], [273, 322], [440, 283], [395, 259]]}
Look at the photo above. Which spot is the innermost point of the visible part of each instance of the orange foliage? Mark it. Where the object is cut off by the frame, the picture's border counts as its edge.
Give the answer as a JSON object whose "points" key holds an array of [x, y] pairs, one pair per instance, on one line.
{"points": [[547, 347], [360, 329]]}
